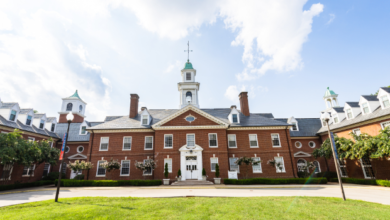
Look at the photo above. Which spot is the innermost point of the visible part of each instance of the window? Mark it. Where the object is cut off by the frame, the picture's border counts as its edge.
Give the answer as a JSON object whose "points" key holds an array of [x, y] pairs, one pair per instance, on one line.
{"points": [[343, 168], [7, 171], [83, 131], [63, 168], [188, 97], [28, 121], [232, 140], [317, 167], [69, 107], [190, 140], [80, 149], [46, 169], [336, 120], [149, 143], [125, 168], [253, 140], [80, 108], [213, 162], [53, 127], [312, 144], [213, 140], [148, 171], [41, 124], [233, 165], [235, 118], [101, 171], [366, 110], [169, 162], [349, 113], [188, 76], [126, 143], [256, 168], [31, 139], [385, 124], [367, 168], [298, 144], [280, 165], [190, 118], [104, 144], [294, 126], [356, 131], [28, 170], [67, 149], [301, 164], [323, 122], [275, 140], [12, 116], [385, 101], [168, 141], [145, 119]]}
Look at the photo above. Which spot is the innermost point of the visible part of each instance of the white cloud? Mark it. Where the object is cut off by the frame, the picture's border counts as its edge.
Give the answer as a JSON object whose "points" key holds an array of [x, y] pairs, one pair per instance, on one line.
{"points": [[173, 66], [332, 17], [5, 22], [232, 92]]}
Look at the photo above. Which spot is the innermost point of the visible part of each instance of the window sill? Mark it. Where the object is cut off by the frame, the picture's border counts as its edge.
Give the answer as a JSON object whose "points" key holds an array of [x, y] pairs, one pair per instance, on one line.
{"points": [[146, 174], [103, 150], [27, 176], [125, 175], [253, 146], [257, 172], [100, 176], [281, 172], [168, 147], [232, 147], [277, 146], [148, 149], [213, 146], [126, 149]]}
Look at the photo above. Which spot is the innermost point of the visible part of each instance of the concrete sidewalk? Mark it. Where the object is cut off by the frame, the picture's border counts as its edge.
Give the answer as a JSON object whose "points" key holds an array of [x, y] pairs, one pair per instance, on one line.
{"points": [[359, 192]]}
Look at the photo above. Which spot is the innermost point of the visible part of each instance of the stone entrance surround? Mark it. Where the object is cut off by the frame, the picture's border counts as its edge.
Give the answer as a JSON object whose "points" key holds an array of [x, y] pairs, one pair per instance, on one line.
{"points": [[185, 152]]}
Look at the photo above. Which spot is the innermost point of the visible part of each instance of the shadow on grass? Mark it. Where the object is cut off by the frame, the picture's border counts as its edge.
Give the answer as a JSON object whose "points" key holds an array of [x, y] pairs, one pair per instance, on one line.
{"points": [[108, 206]]}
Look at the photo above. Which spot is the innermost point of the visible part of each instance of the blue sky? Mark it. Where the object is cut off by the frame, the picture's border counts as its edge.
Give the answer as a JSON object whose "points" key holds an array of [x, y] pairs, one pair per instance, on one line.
{"points": [[284, 53]]}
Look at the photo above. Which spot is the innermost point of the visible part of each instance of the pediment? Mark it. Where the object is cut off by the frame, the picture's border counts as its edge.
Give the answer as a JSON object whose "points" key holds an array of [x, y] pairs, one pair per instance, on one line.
{"points": [[196, 148], [78, 156], [302, 154]]}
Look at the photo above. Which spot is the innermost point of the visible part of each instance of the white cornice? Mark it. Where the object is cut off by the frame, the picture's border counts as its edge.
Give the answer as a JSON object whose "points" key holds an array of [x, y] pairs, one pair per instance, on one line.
{"points": [[120, 130], [77, 156], [191, 127], [75, 113], [314, 137], [302, 154], [259, 128], [28, 133]]}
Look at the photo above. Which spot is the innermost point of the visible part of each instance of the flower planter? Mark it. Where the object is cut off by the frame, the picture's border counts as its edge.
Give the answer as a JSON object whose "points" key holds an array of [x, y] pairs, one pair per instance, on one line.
{"points": [[204, 178], [178, 178], [166, 181], [217, 180]]}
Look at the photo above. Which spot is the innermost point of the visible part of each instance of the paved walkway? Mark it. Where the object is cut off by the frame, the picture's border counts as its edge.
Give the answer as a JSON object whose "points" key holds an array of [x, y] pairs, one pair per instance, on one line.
{"points": [[359, 192]]}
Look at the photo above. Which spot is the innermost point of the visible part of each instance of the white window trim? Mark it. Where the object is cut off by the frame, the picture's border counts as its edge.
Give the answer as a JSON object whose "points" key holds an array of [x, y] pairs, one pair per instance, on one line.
{"points": [[4, 132], [211, 167], [313, 143], [284, 166], [216, 139], [81, 129], [257, 141], [346, 114], [319, 167], [28, 170], [145, 143], [121, 168], [280, 144], [238, 171], [194, 139], [108, 143], [261, 168], [16, 115], [97, 169], [364, 171], [368, 106], [345, 167], [169, 171], [185, 77], [123, 144], [66, 147], [334, 117], [151, 173], [165, 147], [48, 169], [357, 129], [142, 119], [32, 138], [383, 124], [10, 172], [299, 143], [235, 140], [296, 124], [78, 149], [238, 121], [382, 103]]}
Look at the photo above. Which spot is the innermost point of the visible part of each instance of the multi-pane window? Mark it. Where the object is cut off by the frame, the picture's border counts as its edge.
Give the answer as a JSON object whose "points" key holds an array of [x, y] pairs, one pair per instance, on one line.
{"points": [[312, 144], [28, 121], [294, 126], [145, 119], [101, 171], [343, 168], [385, 124], [7, 171], [188, 76], [148, 171], [41, 124], [253, 140], [336, 120], [275, 140], [235, 118], [323, 122], [169, 162], [317, 167], [233, 165], [104, 143], [232, 140], [168, 141], [213, 161], [125, 168], [367, 168], [190, 140], [301, 164], [28, 170], [149, 143], [365, 108], [83, 131], [12, 116], [53, 127], [69, 107], [63, 168], [256, 168], [279, 164], [356, 131], [385, 101], [46, 169], [349, 113], [213, 140], [31, 139], [126, 143]]}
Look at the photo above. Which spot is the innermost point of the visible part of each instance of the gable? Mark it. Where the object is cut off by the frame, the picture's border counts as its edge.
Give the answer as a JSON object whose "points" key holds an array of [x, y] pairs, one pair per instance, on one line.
{"points": [[180, 120], [302, 154]]}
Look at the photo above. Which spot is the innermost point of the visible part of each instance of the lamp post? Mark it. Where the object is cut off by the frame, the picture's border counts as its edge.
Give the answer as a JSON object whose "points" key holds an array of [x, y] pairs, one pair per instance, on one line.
{"points": [[336, 163], [69, 118]]}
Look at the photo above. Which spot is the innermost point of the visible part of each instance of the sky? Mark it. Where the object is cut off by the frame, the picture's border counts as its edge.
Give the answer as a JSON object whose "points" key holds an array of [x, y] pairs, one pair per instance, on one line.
{"points": [[285, 53]]}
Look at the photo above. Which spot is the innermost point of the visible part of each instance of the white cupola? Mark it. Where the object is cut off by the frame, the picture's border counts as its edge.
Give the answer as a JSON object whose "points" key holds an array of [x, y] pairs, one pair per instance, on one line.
{"points": [[188, 88], [73, 104], [330, 99]]}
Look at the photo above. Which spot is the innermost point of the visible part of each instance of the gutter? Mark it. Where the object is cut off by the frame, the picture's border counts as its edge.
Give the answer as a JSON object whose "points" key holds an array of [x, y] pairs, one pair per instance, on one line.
{"points": [[90, 151], [289, 151]]}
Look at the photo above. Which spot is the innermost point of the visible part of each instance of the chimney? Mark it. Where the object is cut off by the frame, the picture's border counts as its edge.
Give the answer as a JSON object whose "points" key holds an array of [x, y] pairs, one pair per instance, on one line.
{"points": [[143, 108], [233, 106], [244, 103], [133, 105]]}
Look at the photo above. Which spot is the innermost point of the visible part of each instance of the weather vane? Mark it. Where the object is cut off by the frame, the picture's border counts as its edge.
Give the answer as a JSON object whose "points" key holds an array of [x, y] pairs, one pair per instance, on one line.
{"points": [[188, 59]]}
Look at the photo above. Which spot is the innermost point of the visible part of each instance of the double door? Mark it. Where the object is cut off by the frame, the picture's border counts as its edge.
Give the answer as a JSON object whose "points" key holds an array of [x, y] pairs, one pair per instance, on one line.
{"points": [[191, 168]]}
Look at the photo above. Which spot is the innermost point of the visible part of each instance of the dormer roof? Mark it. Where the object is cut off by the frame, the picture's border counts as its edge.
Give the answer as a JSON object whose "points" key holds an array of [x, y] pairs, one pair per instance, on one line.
{"points": [[8, 105], [338, 109], [387, 89], [370, 98], [25, 111], [39, 115], [51, 119], [353, 104]]}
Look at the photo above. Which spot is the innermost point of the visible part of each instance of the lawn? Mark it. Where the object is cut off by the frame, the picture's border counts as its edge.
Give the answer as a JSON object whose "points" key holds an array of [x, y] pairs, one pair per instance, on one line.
{"points": [[198, 208]]}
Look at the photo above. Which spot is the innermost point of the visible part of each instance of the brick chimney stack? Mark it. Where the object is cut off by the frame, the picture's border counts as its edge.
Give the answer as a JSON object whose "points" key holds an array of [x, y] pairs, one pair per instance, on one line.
{"points": [[244, 103], [133, 105]]}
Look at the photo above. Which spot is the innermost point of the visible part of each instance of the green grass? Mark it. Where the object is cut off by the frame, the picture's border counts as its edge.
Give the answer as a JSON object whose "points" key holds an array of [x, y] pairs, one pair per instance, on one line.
{"points": [[198, 208]]}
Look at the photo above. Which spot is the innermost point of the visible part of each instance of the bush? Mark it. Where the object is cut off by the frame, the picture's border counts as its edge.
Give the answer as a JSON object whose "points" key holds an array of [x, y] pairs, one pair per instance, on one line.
{"points": [[385, 183], [216, 170], [25, 185], [303, 174], [203, 172], [276, 181], [179, 173], [53, 176], [328, 175], [79, 177], [72, 183]]}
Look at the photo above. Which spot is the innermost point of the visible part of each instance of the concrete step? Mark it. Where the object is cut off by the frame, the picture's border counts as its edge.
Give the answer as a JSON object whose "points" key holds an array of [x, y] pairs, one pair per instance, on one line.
{"points": [[192, 183]]}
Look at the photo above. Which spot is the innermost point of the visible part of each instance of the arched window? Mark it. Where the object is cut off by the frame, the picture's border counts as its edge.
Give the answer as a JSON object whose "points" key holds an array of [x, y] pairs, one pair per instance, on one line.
{"points": [[317, 169], [188, 97], [69, 107], [301, 165], [80, 108]]}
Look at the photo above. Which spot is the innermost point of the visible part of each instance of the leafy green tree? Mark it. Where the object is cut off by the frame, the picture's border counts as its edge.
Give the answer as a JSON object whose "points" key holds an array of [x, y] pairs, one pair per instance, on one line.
{"points": [[166, 173], [247, 161], [382, 144], [216, 170], [324, 151]]}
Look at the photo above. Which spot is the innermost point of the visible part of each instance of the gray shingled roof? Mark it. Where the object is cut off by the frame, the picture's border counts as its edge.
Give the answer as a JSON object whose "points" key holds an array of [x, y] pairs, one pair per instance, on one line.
{"points": [[25, 110], [7, 105], [387, 89], [339, 109], [308, 127], [38, 115], [50, 119], [370, 97], [353, 104], [267, 115], [74, 131], [110, 118]]}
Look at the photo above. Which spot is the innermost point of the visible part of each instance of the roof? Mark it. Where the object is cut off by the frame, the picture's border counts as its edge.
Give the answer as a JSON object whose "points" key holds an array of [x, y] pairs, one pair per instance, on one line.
{"points": [[308, 127], [118, 122], [50, 119], [329, 92], [38, 115], [387, 89], [370, 97], [74, 131], [75, 95], [339, 109], [267, 115], [7, 105], [25, 110], [353, 104], [188, 65]]}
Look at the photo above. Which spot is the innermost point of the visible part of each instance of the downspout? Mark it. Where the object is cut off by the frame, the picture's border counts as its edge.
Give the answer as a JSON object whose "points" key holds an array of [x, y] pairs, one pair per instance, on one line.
{"points": [[289, 150], [90, 151]]}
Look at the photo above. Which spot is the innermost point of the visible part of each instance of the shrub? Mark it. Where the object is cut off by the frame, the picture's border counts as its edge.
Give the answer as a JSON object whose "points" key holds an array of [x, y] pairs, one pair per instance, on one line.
{"points": [[385, 183], [328, 175], [79, 177], [276, 181], [53, 176], [303, 174], [203, 172], [166, 170], [179, 173], [73, 183], [216, 170], [25, 185]]}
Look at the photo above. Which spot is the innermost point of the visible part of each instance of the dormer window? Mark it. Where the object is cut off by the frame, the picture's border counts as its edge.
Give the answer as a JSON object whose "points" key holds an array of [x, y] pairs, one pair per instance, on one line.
{"points": [[336, 119], [53, 127], [235, 118], [349, 113], [83, 129], [69, 107], [366, 110], [145, 119], [28, 121], [385, 101], [41, 124], [323, 122], [294, 126], [12, 116], [188, 76]]}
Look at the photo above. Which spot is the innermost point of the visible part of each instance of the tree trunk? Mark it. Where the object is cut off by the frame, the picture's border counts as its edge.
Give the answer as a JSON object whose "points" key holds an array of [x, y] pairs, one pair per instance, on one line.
{"points": [[326, 162]]}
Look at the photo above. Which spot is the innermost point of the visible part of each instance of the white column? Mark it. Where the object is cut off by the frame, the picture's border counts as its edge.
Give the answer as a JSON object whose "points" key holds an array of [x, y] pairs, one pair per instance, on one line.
{"points": [[183, 165], [200, 164]]}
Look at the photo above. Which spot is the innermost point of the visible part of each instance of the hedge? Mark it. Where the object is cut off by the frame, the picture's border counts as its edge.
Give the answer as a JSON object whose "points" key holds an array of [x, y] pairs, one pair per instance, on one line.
{"points": [[72, 183], [25, 185], [385, 183], [276, 181]]}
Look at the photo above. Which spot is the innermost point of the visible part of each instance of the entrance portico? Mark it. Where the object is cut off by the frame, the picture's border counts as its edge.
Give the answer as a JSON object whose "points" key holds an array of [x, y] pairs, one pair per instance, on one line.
{"points": [[191, 162]]}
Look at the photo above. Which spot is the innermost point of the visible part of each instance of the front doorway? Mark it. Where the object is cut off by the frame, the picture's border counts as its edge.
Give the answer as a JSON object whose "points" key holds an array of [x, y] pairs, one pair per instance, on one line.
{"points": [[191, 167]]}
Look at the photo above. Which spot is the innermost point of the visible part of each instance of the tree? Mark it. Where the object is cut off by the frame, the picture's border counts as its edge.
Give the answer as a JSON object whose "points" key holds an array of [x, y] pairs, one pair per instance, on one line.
{"points": [[166, 173], [111, 165], [247, 161], [383, 144], [9, 153], [216, 170], [324, 151]]}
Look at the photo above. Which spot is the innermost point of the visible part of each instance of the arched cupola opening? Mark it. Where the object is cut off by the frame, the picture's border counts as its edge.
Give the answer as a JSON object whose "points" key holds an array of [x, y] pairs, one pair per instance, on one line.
{"points": [[189, 97], [69, 107]]}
